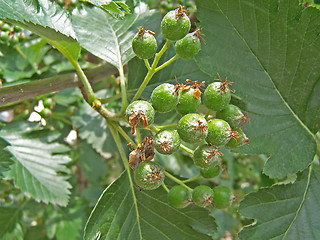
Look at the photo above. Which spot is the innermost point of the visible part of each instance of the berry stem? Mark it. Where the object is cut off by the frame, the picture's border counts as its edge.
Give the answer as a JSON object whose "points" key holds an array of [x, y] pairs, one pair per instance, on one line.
{"points": [[146, 62], [171, 60], [151, 71], [123, 155], [207, 114], [138, 136], [153, 128], [165, 187], [173, 178], [123, 90], [173, 125], [124, 134], [191, 179], [188, 150]]}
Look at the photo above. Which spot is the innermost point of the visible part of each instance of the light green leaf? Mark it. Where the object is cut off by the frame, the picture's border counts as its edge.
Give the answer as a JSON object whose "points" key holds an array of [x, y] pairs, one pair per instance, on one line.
{"points": [[44, 18], [108, 38], [39, 169], [285, 211], [116, 9], [270, 50], [9, 217], [114, 216]]}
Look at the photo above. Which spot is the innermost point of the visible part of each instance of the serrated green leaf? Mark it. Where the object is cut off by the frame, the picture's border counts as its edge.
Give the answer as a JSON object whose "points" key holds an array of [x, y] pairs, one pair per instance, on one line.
{"points": [[114, 216], [270, 50], [285, 211], [111, 7], [5, 161], [39, 169], [46, 19], [108, 38], [181, 69], [9, 217]]}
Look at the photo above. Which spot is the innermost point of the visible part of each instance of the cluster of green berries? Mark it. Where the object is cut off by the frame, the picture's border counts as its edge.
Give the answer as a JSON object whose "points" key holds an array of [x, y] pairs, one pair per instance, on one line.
{"points": [[175, 26], [10, 34], [208, 133]]}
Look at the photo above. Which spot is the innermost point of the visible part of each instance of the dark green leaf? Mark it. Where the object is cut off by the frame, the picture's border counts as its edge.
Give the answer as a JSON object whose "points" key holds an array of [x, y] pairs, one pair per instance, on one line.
{"points": [[285, 211], [114, 216], [108, 38], [9, 217], [39, 169], [270, 50]]}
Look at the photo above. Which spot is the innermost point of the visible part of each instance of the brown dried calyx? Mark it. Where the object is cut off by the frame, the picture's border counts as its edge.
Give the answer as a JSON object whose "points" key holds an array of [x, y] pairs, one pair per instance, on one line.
{"points": [[142, 30], [224, 87], [145, 152], [212, 153], [135, 119], [196, 85], [180, 12]]}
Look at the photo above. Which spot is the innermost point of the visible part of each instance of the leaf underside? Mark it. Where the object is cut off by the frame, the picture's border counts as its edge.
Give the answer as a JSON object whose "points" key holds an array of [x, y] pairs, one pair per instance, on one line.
{"points": [[114, 216], [38, 168], [285, 211], [270, 50], [109, 38]]}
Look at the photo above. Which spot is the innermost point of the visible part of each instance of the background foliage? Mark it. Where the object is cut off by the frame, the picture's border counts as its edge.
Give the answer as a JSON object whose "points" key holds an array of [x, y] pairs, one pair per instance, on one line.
{"points": [[60, 172]]}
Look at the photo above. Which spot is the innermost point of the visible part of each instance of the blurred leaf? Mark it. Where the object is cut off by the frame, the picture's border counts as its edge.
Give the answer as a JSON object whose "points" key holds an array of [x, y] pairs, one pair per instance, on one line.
{"points": [[181, 68], [39, 169], [9, 217], [285, 211], [114, 216], [66, 223], [116, 9], [92, 127], [91, 162], [108, 38], [46, 19], [270, 50]]}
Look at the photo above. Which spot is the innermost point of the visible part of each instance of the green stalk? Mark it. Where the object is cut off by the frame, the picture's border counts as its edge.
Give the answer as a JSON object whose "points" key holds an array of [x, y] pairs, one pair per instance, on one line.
{"points": [[138, 136], [188, 150], [151, 70], [165, 187], [173, 125], [171, 60], [191, 179], [123, 90], [173, 178], [127, 167], [124, 134]]}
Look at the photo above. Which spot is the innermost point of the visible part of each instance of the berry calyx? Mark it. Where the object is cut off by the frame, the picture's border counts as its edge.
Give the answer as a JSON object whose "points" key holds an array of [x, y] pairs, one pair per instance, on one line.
{"points": [[238, 138], [221, 197], [149, 175], [139, 113], [188, 46], [202, 196], [175, 24], [179, 196], [192, 128], [219, 132], [167, 141], [144, 43], [205, 156], [217, 95], [164, 98]]}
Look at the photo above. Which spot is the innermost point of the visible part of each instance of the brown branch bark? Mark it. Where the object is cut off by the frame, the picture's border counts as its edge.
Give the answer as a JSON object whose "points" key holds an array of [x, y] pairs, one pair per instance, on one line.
{"points": [[35, 88]]}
